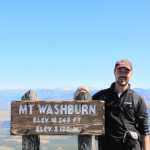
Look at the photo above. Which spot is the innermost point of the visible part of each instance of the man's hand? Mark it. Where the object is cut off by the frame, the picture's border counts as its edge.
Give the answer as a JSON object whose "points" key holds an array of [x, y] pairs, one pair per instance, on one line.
{"points": [[146, 142]]}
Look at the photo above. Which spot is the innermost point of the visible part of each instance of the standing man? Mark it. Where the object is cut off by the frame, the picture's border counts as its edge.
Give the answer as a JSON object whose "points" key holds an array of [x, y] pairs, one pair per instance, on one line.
{"points": [[126, 117]]}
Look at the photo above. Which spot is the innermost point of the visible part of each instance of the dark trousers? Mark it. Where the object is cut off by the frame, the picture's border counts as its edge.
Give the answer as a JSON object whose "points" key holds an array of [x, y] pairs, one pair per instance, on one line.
{"points": [[107, 144]]}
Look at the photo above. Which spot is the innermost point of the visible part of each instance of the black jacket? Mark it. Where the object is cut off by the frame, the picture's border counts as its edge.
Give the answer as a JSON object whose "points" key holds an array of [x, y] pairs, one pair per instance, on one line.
{"points": [[129, 106]]}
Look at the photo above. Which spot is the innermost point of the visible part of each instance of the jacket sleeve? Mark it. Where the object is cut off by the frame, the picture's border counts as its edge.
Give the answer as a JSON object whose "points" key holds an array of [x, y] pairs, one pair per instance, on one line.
{"points": [[142, 116], [100, 95]]}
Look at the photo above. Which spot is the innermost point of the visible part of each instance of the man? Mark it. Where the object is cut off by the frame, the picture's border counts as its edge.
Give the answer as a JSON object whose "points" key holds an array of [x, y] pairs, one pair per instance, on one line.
{"points": [[126, 118]]}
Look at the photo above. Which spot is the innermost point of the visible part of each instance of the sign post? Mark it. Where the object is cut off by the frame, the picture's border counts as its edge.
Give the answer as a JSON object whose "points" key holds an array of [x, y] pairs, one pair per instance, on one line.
{"points": [[85, 142], [30, 142]]}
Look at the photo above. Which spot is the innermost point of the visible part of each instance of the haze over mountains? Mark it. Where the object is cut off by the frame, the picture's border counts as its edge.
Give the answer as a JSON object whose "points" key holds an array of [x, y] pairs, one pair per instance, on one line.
{"points": [[6, 96]]}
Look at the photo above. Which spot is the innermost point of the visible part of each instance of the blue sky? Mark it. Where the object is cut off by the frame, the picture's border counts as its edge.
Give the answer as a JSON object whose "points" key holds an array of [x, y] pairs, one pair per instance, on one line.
{"points": [[62, 44]]}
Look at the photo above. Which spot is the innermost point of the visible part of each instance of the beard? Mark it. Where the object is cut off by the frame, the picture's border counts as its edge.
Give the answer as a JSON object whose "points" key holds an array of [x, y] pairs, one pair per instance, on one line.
{"points": [[122, 81]]}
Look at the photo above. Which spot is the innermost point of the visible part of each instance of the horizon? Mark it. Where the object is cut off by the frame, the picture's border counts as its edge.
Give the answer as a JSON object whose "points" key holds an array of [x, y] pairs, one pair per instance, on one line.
{"points": [[63, 88], [6, 99]]}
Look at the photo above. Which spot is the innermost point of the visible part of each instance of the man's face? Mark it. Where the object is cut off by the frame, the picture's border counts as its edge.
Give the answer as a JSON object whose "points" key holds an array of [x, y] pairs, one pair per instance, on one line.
{"points": [[122, 76]]}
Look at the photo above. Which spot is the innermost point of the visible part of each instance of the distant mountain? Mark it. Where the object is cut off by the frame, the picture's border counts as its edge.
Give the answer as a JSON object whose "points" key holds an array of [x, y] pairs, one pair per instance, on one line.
{"points": [[4, 124], [145, 93], [6, 96], [55, 94]]}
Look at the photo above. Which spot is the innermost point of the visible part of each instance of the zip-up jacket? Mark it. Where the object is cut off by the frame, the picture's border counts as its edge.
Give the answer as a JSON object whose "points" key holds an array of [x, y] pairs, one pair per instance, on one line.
{"points": [[130, 106]]}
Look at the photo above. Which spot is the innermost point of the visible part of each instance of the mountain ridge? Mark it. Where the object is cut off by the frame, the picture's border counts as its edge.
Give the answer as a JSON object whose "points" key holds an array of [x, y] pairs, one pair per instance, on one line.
{"points": [[6, 96]]}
